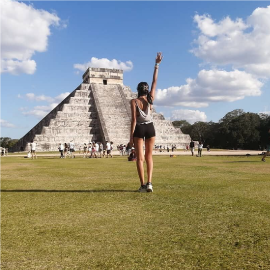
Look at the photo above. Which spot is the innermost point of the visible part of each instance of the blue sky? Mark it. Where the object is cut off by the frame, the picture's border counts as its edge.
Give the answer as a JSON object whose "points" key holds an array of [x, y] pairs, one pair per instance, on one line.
{"points": [[216, 55]]}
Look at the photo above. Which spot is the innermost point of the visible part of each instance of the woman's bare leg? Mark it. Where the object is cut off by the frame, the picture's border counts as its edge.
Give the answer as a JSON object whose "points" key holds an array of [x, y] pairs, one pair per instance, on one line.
{"points": [[149, 144], [138, 142]]}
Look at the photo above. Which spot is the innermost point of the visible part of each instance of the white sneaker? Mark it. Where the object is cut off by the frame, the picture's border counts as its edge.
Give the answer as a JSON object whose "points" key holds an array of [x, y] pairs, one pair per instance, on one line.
{"points": [[149, 187], [142, 189]]}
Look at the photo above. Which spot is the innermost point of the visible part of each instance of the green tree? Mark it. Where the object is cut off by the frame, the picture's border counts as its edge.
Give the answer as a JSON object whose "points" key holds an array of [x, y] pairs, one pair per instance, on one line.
{"points": [[225, 129], [264, 127], [240, 130], [7, 142], [184, 125], [199, 131], [181, 123]]}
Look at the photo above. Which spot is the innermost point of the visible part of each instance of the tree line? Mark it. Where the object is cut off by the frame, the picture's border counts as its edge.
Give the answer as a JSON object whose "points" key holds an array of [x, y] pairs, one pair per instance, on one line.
{"points": [[7, 142], [236, 130]]}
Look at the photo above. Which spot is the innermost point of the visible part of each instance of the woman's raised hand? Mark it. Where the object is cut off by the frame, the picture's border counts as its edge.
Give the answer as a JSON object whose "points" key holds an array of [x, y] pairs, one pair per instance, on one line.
{"points": [[159, 57]]}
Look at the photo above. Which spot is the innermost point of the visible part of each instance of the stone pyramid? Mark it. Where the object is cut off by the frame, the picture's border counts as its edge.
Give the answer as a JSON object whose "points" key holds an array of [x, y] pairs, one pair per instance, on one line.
{"points": [[97, 110]]}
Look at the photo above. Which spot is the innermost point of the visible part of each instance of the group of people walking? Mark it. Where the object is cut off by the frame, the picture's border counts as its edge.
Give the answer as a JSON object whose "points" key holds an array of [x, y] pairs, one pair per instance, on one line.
{"points": [[90, 150], [200, 148]]}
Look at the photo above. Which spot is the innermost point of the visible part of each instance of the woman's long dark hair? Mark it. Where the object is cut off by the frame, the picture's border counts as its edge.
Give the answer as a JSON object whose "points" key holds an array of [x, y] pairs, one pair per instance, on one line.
{"points": [[143, 90]]}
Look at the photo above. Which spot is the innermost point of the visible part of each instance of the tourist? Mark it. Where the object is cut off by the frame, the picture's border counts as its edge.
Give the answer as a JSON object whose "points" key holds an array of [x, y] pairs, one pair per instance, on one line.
{"points": [[128, 149], [90, 150], [96, 149], [104, 150], [61, 150], [108, 148], [142, 127], [191, 147], [267, 148], [84, 150], [120, 147], [100, 149], [33, 146], [66, 150], [72, 149], [200, 147], [111, 148]]}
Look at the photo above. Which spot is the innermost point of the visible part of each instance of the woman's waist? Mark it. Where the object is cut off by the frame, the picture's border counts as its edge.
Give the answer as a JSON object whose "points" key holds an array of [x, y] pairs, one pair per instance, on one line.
{"points": [[144, 123]]}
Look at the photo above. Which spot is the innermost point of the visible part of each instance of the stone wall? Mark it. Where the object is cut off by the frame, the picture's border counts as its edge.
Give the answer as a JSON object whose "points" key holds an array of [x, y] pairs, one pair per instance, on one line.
{"points": [[103, 76]]}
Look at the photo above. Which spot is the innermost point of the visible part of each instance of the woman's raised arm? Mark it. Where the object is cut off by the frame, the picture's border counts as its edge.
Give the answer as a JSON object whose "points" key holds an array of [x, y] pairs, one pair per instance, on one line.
{"points": [[155, 75]]}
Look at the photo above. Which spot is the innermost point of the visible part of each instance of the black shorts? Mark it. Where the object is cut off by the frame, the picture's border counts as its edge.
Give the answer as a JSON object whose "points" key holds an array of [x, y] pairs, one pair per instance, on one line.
{"points": [[146, 131]]}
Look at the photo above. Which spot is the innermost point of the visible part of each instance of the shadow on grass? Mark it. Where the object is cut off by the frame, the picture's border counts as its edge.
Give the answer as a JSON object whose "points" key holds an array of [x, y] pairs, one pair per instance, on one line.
{"points": [[241, 161], [68, 191]]}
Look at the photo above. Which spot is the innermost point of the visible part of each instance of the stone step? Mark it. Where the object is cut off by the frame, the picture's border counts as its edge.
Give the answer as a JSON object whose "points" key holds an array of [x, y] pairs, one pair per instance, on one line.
{"points": [[78, 108], [84, 86], [65, 115], [66, 138], [80, 101], [70, 130], [75, 123]]}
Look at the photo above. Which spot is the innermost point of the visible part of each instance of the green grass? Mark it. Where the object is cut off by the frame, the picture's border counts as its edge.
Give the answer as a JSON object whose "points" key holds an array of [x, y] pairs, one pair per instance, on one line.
{"points": [[205, 213]]}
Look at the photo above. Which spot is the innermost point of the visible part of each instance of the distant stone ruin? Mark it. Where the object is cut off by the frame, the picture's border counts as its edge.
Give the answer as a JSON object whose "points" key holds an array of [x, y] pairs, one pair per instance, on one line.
{"points": [[97, 110]]}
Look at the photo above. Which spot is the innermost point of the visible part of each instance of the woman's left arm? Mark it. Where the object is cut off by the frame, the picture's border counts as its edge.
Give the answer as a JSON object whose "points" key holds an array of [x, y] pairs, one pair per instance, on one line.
{"points": [[133, 121], [155, 75]]}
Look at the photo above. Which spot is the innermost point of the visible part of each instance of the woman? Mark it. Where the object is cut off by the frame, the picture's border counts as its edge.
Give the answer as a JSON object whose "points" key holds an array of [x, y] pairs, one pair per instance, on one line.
{"points": [[142, 127]]}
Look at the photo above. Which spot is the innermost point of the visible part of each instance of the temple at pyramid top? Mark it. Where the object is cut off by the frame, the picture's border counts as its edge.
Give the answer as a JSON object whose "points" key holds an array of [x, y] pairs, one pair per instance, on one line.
{"points": [[97, 110], [103, 76]]}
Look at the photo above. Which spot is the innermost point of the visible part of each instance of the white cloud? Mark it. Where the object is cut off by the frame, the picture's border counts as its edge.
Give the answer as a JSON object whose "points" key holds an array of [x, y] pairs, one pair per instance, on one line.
{"points": [[240, 44], [61, 97], [16, 67], [34, 97], [265, 112], [190, 116], [5, 123], [25, 30], [40, 111], [210, 86], [105, 63]]}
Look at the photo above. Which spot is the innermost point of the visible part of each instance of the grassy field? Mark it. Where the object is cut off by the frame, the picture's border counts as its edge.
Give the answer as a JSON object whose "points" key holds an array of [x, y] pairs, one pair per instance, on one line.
{"points": [[205, 213]]}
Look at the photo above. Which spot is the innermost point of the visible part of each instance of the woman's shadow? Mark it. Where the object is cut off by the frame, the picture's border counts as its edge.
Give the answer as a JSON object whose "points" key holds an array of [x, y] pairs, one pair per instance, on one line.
{"points": [[68, 191]]}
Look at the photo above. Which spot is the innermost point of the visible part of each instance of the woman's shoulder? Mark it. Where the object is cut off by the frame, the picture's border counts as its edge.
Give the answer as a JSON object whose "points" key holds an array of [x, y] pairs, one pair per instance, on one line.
{"points": [[133, 101]]}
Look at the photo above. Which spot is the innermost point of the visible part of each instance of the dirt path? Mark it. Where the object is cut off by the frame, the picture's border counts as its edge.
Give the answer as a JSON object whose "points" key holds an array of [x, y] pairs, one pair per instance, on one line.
{"points": [[165, 153]]}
